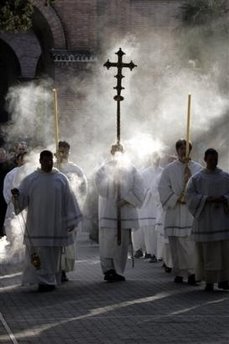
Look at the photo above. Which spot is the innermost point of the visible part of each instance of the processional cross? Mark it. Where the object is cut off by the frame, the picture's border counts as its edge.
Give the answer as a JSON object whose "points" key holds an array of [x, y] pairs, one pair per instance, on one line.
{"points": [[118, 98]]}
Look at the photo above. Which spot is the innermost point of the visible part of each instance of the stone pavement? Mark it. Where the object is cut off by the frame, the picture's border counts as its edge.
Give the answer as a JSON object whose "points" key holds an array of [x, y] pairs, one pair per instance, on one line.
{"points": [[148, 308]]}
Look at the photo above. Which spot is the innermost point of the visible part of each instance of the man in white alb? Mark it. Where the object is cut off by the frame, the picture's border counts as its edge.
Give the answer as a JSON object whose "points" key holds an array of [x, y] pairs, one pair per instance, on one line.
{"points": [[120, 187], [178, 219], [78, 183], [52, 213], [208, 200], [149, 212]]}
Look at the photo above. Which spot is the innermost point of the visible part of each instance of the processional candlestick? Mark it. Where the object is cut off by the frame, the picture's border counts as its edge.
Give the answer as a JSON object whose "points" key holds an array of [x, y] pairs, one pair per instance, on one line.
{"points": [[56, 118], [118, 98]]}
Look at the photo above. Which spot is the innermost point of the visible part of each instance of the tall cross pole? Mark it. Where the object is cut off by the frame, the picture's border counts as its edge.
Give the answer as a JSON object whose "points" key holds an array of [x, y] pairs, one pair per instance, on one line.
{"points": [[118, 98]]}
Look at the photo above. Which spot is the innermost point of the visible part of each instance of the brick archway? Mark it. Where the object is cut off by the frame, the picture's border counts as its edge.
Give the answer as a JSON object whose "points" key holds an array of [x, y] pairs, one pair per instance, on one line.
{"points": [[27, 49], [54, 23]]}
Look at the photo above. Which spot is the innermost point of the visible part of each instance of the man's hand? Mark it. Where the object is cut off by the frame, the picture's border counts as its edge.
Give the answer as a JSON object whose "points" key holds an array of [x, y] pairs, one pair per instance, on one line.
{"points": [[15, 193], [70, 229], [121, 203], [181, 199]]}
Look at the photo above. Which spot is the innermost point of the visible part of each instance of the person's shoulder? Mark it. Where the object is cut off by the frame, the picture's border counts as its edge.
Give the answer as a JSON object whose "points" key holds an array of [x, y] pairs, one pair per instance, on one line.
{"points": [[171, 166], [149, 170], [224, 174], [58, 174], [30, 177], [106, 165], [196, 164], [11, 172], [60, 177], [199, 174], [75, 168]]}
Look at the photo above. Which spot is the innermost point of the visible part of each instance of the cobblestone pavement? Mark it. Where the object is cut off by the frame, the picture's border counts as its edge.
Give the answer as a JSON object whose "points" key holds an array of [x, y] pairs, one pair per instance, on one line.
{"points": [[148, 308]]}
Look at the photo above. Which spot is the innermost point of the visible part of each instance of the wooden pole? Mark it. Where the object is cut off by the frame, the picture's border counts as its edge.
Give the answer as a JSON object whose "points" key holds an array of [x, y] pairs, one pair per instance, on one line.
{"points": [[187, 150], [188, 127], [56, 119]]}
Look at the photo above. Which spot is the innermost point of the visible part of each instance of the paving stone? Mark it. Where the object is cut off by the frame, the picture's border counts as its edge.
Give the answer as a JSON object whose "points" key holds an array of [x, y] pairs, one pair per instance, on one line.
{"points": [[147, 308]]}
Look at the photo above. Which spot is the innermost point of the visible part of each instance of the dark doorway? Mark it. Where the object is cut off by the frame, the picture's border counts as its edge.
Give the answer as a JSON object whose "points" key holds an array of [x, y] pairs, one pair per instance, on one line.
{"points": [[9, 73]]}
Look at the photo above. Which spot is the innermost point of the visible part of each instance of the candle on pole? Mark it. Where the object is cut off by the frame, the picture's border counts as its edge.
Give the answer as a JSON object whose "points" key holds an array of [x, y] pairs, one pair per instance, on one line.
{"points": [[188, 127], [187, 150], [56, 118]]}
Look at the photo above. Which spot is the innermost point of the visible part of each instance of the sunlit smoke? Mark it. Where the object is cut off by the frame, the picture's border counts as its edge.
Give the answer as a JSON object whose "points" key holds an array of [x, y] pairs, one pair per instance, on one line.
{"points": [[154, 110], [144, 148], [30, 106]]}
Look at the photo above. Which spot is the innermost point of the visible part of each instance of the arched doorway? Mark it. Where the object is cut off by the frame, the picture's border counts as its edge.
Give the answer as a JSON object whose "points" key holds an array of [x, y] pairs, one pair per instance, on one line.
{"points": [[10, 71]]}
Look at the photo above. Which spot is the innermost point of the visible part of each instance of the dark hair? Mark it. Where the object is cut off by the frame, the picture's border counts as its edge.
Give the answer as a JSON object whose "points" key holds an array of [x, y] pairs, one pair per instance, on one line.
{"points": [[210, 151], [182, 142], [64, 144], [46, 153], [21, 155]]}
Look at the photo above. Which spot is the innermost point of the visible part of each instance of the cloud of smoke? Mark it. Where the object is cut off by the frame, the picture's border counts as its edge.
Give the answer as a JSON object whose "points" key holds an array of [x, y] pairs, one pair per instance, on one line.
{"points": [[155, 103], [170, 65]]}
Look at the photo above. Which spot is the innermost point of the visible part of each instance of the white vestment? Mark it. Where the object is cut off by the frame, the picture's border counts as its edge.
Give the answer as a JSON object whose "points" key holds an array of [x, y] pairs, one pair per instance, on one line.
{"points": [[14, 225], [7, 187], [178, 219], [165, 252], [52, 211], [78, 183], [77, 179], [132, 191], [149, 212], [211, 223]]}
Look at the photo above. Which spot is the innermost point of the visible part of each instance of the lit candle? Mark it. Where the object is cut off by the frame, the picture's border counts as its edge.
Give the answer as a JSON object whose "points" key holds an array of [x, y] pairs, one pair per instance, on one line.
{"points": [[188, 126], [56, 119]]}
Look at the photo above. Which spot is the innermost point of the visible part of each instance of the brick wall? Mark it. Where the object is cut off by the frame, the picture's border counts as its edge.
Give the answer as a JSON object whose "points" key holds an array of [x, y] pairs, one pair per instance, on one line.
{"points": [[79, 22]]}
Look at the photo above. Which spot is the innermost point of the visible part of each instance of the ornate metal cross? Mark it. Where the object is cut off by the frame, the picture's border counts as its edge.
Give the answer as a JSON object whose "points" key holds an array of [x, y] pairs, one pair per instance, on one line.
{"points": [[118, 97]]}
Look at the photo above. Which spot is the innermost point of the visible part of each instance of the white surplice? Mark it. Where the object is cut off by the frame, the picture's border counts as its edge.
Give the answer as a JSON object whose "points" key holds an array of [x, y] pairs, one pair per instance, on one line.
{"points": [[149, 212], [211, 223], [52, 212], [178, 219], [132, 191], [15, 225], [79, 185]]}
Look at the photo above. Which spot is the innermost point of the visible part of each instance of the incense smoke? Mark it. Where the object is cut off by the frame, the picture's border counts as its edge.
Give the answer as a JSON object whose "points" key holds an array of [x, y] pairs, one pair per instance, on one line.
{"points": [[153, 113], [154, 107]]}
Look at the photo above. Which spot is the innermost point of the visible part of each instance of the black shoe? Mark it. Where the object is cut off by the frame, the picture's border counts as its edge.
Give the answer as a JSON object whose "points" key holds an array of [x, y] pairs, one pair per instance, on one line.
{"points": [[178, 279], [118, 278], [167, 269], [153, 259], [108, 275], [223, 285], [192, 280], [147, 255], [138, 254], [209, 287], [64, 277], [112, 276], [42, 288]]}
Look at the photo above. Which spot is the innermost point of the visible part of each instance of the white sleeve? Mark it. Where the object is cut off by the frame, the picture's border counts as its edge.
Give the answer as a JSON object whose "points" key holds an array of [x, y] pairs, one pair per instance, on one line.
{"points": [[7, 186], [105, 183], [167, 196], [195, 201], [137, 193]]}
